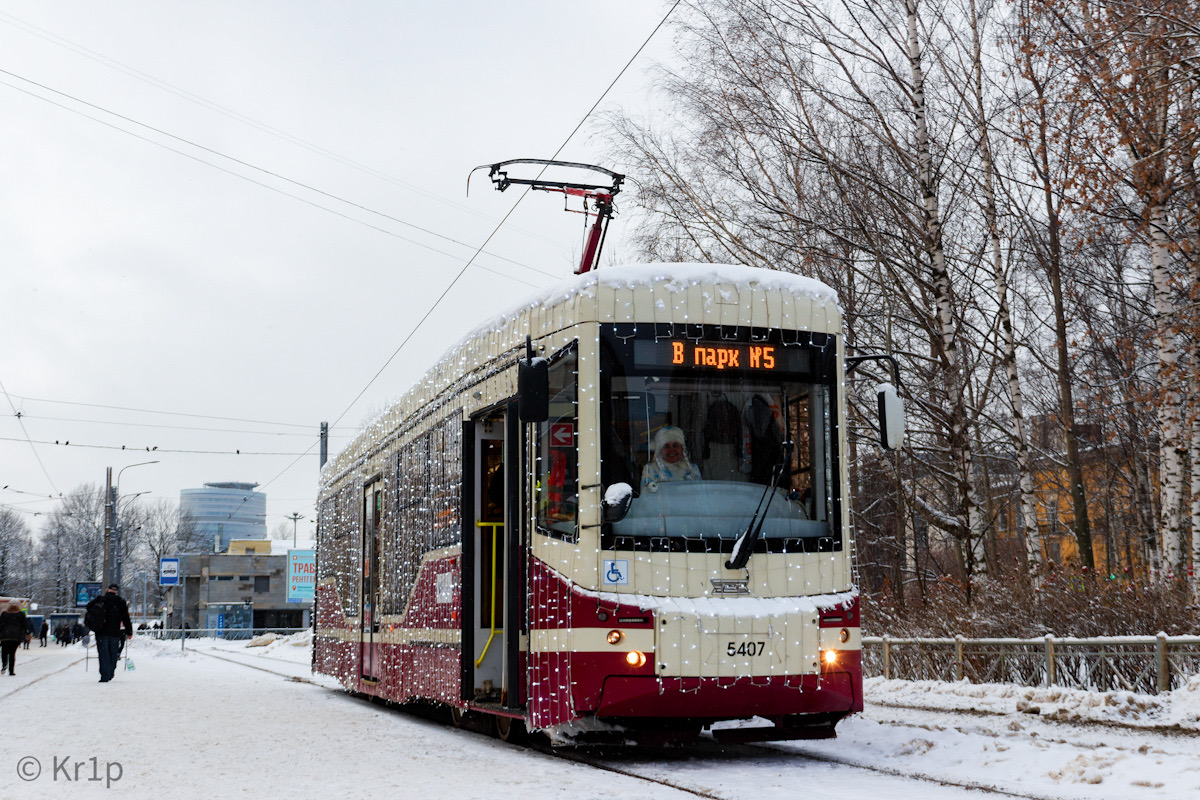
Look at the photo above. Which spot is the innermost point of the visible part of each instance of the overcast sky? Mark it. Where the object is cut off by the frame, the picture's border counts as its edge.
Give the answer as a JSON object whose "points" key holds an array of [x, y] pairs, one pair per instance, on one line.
{"points": [[233, 306]]}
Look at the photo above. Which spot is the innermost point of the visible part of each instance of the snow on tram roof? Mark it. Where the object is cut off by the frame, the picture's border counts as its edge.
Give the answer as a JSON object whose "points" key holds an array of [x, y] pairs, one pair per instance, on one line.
{"points": [[677, 277], [683, 274]]}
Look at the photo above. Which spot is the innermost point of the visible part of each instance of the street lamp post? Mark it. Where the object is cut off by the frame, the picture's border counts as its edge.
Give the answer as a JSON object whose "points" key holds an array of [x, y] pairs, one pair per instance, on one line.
{"points": [[295, 517], [112, 549], [118, 539]]}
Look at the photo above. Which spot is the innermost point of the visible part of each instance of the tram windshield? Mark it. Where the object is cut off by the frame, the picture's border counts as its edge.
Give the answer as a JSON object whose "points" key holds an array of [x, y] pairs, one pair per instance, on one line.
{"points": [[712, 431]]}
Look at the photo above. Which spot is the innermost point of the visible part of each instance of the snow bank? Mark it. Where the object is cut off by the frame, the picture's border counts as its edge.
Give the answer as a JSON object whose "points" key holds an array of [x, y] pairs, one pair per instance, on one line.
{"points": [[296, 648], [1180, 708]]}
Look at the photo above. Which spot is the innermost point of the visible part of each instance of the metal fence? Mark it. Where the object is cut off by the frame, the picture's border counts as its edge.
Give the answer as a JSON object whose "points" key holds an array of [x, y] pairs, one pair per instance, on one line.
{"points": [[1145, 664], [217, 633]]}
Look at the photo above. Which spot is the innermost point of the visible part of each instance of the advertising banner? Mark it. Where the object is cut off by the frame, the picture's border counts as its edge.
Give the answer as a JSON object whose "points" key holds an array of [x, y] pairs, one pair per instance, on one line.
{"points": [[301, 575], [85, 592]]}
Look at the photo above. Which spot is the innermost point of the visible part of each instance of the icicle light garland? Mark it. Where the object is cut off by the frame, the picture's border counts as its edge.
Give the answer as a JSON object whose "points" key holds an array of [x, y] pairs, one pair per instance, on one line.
{"points": [[414, 449]]}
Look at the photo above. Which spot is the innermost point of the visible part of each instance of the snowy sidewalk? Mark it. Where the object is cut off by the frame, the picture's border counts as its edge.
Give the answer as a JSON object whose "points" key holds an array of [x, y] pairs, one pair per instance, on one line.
{"points": [[191, 726]]}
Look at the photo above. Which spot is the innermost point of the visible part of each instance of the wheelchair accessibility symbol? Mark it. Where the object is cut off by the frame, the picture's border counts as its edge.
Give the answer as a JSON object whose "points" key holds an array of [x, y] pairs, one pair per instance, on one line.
{"points": [[615, 572]]}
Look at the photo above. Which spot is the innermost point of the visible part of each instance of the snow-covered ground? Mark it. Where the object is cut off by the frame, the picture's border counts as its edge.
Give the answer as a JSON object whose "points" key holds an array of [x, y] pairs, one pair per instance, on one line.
{"points": [[227, 720]]}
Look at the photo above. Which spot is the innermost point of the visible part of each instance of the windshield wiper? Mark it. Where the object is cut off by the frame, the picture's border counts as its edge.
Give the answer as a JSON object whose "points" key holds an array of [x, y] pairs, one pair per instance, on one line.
{"points": [[745, 543]]}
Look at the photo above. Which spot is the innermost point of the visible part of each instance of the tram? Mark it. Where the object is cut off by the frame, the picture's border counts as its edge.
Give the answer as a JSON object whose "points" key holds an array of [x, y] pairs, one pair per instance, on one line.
{"points": [[616, 513]]}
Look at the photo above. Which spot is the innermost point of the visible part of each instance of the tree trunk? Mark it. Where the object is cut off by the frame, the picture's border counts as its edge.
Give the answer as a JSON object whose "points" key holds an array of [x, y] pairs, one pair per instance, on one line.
{"points": [[1191, 155], [1170, 422], [1027, 502], [1066, 401], [967, 507]]}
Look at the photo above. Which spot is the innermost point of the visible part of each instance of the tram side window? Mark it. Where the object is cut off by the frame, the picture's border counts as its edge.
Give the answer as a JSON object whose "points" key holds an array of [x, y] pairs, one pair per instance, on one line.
{"points": [[557, 452]]}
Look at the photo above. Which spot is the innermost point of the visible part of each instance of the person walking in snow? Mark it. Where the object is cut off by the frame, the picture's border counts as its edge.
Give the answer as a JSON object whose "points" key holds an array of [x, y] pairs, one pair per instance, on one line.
{"points": [[670, 462], [13, 629], [106, 615], [45, 632]]}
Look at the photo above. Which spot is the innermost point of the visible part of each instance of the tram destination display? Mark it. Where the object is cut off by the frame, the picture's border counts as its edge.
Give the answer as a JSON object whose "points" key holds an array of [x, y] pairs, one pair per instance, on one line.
{"points": [[719, 356]]}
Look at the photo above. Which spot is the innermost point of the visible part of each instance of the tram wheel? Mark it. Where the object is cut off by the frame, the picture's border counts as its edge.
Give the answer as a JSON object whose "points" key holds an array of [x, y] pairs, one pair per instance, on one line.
{"points": [[457, 716], [510, 730]]}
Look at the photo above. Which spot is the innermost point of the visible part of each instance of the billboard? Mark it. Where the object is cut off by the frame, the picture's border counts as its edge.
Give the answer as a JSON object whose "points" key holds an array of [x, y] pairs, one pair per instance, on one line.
{"points": [[301, 575], [85, 592]]}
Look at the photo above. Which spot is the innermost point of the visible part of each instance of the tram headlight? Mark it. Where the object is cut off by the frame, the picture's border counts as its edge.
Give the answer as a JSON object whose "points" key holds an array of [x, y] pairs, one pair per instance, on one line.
{"points": [[844, 636], [830, 657], [635, 658], [615, 637]]}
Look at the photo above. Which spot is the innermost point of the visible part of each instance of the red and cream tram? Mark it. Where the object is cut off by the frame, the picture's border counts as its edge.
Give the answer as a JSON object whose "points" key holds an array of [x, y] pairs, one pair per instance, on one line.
{"points": [[620, 510]]}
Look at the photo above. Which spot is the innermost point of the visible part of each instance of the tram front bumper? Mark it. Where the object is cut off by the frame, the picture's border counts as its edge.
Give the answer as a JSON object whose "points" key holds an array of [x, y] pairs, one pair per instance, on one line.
{"points": [[837, 693]]}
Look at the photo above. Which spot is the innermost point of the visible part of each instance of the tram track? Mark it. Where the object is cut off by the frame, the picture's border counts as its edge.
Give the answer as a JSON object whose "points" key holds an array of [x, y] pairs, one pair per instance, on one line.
{"points": [[919, 776], [712, 749], [33, 660], [596, 758]]}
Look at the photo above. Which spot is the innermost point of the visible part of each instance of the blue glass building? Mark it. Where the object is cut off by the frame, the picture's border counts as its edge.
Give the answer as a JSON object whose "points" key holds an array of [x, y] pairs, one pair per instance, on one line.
{"points": [[225, 511]]}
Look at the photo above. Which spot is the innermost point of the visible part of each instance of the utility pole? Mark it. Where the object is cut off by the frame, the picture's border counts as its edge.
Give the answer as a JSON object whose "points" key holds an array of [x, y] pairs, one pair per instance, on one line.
{"points": [[294, 518], [106, 578], [324, 443]]}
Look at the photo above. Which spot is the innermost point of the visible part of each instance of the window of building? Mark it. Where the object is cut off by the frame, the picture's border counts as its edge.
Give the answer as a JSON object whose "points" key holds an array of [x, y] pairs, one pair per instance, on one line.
{"points": [[262, 583]]}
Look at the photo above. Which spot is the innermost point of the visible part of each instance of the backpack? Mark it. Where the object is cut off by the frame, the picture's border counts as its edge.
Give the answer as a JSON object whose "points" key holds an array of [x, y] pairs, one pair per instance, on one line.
{"points": [[96, 615]]}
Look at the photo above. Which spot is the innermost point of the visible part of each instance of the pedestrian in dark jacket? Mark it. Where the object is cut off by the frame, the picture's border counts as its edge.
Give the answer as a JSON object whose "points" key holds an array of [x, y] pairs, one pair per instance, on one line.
{"points": [[14, 627], [45, 632], [110, 636]]}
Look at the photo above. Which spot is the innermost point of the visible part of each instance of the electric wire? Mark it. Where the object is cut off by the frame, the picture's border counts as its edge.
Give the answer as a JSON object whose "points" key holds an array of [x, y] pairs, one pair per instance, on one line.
{"points": [[166, 413], [264, 171], [148, 449], [158, 83], [42, 495], [170, 427], [21, 422]]}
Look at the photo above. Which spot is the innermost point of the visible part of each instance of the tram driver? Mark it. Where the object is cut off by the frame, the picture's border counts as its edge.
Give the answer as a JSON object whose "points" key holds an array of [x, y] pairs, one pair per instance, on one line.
{"points": [[670, 462]]}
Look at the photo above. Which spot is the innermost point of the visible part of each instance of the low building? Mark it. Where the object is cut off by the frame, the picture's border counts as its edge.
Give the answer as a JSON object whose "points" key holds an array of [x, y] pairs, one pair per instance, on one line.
{"points": [[242, 588]]}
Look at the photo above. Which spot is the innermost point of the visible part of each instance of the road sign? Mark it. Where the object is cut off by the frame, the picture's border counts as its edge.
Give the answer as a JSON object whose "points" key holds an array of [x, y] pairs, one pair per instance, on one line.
{"points": [[168, 572]]}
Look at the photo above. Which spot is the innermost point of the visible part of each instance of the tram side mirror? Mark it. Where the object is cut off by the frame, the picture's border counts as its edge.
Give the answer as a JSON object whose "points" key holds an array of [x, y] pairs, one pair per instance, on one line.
{"points": [[533, 390], [617, 500], [891, 416]]}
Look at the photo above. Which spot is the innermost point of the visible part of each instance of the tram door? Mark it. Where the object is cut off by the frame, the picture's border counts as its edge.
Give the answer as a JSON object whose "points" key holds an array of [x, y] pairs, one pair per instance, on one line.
{"points": [[493, 621], [369, 611]]}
